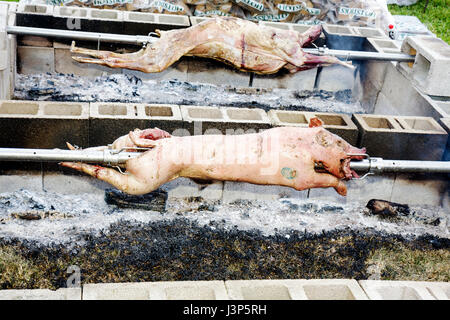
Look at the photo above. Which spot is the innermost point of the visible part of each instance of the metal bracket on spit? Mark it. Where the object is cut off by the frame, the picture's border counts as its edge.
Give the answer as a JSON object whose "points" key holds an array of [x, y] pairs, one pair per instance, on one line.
{"points": [[370, 171], [322, 51], [150, 34]]}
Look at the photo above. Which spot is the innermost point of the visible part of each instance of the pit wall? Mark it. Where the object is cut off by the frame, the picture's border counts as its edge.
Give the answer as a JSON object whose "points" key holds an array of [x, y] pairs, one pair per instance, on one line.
{"points": [[293, 289], [51, 124]]}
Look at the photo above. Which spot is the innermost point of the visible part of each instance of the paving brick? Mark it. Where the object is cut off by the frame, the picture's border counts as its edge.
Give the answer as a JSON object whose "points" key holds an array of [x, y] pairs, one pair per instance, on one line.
{"points": [[215, 120], [41, 294], [303, 80], [401, 138], [315, 289], [173, 290], [32, 60], [183, 188], [65, 64], [339, 124], [396, 290], [33, 124], [233, 191], [430, 71], [215, 72]]}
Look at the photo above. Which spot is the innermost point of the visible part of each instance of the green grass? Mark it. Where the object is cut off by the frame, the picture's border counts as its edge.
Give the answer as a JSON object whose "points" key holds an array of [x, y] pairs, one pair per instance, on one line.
{"points": [[436, 17]]}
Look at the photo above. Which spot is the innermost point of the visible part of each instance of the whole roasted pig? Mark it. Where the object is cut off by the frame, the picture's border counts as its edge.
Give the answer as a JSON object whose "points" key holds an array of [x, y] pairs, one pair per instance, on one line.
{"points": [[284, 156], [239, 43]]}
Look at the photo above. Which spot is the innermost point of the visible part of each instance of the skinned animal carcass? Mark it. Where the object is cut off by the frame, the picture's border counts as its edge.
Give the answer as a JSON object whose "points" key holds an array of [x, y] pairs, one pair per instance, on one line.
{"points": [[239, 43]]}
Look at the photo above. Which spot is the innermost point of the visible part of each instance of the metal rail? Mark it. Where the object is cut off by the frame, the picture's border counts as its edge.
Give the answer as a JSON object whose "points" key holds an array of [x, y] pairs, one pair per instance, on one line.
{"points": [[141, 40], [116, 157]]}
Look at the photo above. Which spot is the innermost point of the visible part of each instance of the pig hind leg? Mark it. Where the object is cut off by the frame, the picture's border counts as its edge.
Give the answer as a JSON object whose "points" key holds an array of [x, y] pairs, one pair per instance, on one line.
{"points": [[127, 182]]}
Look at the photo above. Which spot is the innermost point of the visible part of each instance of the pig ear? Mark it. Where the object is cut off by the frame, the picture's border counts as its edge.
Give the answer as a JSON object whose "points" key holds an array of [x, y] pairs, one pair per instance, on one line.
{"points": [[315, 122]]}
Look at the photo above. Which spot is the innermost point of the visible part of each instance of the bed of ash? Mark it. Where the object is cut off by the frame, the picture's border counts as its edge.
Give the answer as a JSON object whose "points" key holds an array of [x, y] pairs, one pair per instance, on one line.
{"points": [[131, 89], [67, 219]]}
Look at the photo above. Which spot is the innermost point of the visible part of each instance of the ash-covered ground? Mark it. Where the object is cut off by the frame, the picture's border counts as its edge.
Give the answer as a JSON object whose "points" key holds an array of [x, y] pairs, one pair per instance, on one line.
{"points": [[119, 239], [130, 89]]}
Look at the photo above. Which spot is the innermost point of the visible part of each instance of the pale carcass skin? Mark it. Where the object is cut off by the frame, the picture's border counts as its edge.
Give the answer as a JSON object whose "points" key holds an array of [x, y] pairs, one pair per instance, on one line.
{"points": [[240, 43], [283, 156]]}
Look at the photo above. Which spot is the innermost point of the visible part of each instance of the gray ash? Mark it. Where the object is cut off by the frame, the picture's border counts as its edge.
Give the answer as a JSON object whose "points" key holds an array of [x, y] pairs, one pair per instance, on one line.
{"points": [[131, 89]]}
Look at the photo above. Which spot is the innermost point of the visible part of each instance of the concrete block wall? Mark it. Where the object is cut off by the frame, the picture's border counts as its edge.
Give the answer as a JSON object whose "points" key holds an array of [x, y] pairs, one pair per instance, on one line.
{"points": [[7, 48], [315, 289], [286, 289], [108, 121], [405, 290], [401, 137], [430, 71], [216, 120], [40, 124], [340, 124]]}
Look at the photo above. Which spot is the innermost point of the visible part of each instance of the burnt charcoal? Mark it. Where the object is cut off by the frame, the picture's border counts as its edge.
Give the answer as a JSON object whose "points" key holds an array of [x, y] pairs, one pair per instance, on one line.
{"points": [[387, 209], [155, 200]]}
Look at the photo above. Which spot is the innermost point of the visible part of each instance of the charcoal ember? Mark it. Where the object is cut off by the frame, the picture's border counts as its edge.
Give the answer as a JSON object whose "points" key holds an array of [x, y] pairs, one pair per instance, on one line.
{"points": [[387, 209], [154, 201]]}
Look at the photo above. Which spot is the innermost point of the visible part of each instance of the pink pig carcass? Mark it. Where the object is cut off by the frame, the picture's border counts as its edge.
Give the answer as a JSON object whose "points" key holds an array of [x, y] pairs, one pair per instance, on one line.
{"points": [[284, 156]]}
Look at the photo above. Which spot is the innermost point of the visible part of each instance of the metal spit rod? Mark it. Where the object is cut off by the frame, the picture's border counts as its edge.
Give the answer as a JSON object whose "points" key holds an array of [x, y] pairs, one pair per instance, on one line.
{"points": [[141, 40], [115, 157]]}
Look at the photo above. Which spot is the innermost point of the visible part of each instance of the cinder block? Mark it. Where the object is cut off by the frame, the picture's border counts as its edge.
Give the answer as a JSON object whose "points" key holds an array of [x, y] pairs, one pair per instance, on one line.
{"points": [[303, 80], [33, 124], [339, 124], [338, 29], [215, 120], [104, 14], [109, 121], [39, 9], [173, 290], [233, 191], [32, 60], [440, 106], [196, 20], [431, 69], [384, 45], [163, 116], [65, 64], [315, 289], [401, 138], [396, 290], [12, 181], [215, 72], [35, 41], [401, 96], [336, 78], [278, 25], [144, 22], [445, 122], [72, 12], [182, 188], [431, 188], [41, 294], [370, 32]]}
